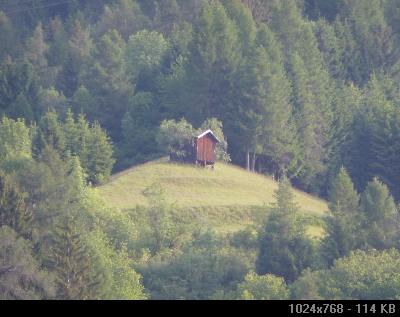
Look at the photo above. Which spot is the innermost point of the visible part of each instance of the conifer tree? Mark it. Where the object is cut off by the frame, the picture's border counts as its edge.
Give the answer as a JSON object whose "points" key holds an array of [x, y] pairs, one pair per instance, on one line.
{"points": [[72, 133], [374, 143], [36, 52], [50, 133], [344, 226], [18, 79], [8, 38], [15, 141], [285, 250], [312, 90], [58, 47], [21, 275], [381, 216], [212, 64], [99, 155], [373, 36], [13, 210], [105, 77], [72, 264]]}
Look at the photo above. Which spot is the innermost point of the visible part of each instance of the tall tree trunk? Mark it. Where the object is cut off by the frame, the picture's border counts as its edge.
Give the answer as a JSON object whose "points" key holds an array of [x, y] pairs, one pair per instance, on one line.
{"points": [[253, 163], [248, 160]]}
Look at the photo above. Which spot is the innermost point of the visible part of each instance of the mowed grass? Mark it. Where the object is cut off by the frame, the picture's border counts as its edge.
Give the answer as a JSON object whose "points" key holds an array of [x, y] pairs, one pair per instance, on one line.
{"points": [[225, 196]]}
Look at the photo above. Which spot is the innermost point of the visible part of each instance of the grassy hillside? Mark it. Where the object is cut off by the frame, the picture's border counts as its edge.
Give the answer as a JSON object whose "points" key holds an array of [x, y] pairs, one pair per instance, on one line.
{"points": [[226, 198]]}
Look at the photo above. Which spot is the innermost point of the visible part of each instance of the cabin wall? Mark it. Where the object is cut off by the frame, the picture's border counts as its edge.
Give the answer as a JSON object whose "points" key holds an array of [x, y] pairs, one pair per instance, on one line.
{"points": [[206, 149]]}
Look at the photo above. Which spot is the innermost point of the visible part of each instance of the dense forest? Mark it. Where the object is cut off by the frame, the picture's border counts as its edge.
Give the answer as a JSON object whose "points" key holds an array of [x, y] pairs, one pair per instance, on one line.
{"points": [[304, 90]]}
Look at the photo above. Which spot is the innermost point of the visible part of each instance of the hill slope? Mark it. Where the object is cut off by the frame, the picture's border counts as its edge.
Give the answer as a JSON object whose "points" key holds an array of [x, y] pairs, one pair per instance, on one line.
{"points": [[189, 186], [225, 196]]}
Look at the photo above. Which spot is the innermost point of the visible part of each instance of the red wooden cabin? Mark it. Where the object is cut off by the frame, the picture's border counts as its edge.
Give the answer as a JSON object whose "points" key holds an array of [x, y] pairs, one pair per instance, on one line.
{"points": [[199, 150], [205, 145]]}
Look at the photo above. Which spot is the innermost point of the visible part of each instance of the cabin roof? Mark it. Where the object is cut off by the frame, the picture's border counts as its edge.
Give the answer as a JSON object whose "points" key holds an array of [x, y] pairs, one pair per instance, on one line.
{"points": [[208, 132]]}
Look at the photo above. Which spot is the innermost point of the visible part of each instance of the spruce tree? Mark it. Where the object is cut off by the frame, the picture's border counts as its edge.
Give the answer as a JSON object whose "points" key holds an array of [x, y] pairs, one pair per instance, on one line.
{"points": [[50, 133], [72, 133], [105, 76], [99, 155], [14, 213], [312, 91], [58, 48], [72, 264], [36, 50], [21, 274], [381, 216], [285, 250], [373, 35], [213, 61], [344, 224]]}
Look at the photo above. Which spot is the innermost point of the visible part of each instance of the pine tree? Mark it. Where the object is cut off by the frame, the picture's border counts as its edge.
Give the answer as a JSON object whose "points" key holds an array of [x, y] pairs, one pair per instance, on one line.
{"points": [[15, 141], [125, 16], [246, 26], [344, 226], [72, 133], [374, 37], [212, 64], [99, 155], [345, 107], [79, 48], [271, 92], [8, 38], [36, 50], [284, 248], [58, 48], [312, 91], [21, 275], [381, 216], [18, 79], [13, 210], [50, 133], [22, 108], [72, 264], [106, 79], [83, 102], [331, 48], [373, 150]]}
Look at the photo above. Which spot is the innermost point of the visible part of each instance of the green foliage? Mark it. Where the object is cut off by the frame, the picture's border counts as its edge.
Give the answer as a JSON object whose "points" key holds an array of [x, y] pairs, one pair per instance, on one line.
{"points": [[125, 16], [36, 50], [284, 249], [381, 216], [196, 274], [361, 275], [138, 126], [164, 232], [8, 36], [145, 51], [343, 227], [15, 141], [74, 267], [107, 81], [214, 57], [374, 140], [177, 138], [99, 154], [21, 275], [267, 287], [89, 142], [123, 281], [18, 83], [13, 211], [298, 88]]}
